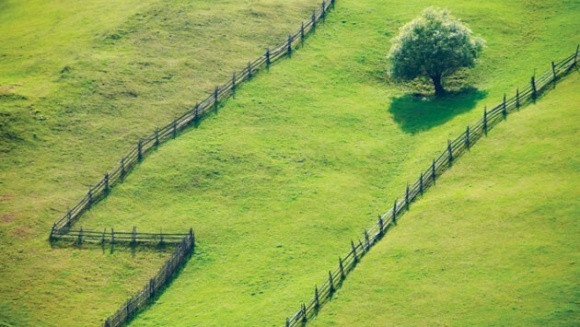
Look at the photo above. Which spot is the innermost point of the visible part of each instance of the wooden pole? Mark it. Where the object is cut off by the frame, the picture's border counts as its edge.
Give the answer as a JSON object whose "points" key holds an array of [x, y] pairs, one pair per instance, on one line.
{"points": [[107, 187], [341, 266], [112, 236], [576, 55], [234, 82], [367, 241], [196, 112], [140, 150], [407, 197], [381, 225], [302, 33], [467, 140], [156, 136], [485, 120], [267, 58], [103, 236], [175, 128], [316, 299], [421, 183], [289, 45], [134, 236], [303, 313], [330, 283], [314, 19], [249, 70], [534, 90], [433, 171], [554, 72], [323, 14], [355, 258], [80, 240], [504, 106], [395, 212], [518, 98], [90, 197], [450, 150], [69, 218], [216, 97]]}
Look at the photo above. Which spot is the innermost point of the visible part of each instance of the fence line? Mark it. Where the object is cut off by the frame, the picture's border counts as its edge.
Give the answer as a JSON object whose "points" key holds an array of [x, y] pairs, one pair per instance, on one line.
{"points": [[427, 178], [148, 293], [171, 130]]}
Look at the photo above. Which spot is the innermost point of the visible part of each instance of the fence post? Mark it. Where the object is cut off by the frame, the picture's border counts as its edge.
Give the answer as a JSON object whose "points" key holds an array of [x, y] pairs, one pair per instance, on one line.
{"points": [[355, 258], [151, 288], [485, 120], [407, 197], [68, 218], [156, 136], [175, 128], [576, 55], [196, 112], [518, 98], [341, 266], [215, 97], [249, 70], [421, 183], [123, 171], [160, 238], [50, 238], [395, 212], [323, 14], [380, 225], [140, 150], [302, 34], [368, 243], [433, 171], [107, 187], [314, 19], [554, 72], [504, 107], [90, 197], [467, 140], [287, 322], [267, 58], [450, 150], [103, 237], [316, 300], [234, 82], [112, 236], [534, 90], [80, 239], [303, 313], [134, 236], [290, 45], [330, 284]]}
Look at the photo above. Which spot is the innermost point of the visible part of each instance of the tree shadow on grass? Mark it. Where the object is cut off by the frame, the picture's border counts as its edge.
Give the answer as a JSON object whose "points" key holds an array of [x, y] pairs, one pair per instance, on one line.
{"points": [[418, 113]]}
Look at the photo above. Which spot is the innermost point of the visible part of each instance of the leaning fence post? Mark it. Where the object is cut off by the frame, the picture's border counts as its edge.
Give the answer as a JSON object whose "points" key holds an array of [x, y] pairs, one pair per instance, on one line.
{"points": [[290, 45], [69, 218], [485, 120], [267, 55], [123, 171], [341, 266], [330, 284], [323, 14], [380, 225], [421, 183], [196, 112], [355, 258], [395, 212], [234, 82], [368, 243], [518, 98], [140, 150], [534, 90], [302, 33], [303, 309], [215, 97], [249, 70], [576, 54], [467, 140], [313, 19], [554, 72]]}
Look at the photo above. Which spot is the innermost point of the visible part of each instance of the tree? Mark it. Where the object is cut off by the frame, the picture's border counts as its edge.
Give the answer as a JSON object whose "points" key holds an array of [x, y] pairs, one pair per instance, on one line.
{"points": [[433, 45]]}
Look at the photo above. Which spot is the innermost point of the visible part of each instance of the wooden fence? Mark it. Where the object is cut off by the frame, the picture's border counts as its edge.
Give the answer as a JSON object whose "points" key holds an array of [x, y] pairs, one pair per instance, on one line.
{"points": [[426, 179], [148, 293], [81, 236], [170, 131]]}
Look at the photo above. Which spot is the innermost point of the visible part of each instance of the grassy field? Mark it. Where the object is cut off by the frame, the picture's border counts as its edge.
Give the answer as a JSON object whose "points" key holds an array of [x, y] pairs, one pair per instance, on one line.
{"points": [[80, 81], [495, 243], [309, 153]]}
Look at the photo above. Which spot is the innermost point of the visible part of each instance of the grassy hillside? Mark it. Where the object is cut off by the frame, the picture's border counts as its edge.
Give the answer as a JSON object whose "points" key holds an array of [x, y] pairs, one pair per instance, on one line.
{"points": [[80, 81], [306, 155], [495, 243]]}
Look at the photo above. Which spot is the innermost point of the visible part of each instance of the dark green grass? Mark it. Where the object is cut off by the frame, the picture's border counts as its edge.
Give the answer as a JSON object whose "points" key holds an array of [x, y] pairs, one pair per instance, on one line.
{"points": [[494, 243]]}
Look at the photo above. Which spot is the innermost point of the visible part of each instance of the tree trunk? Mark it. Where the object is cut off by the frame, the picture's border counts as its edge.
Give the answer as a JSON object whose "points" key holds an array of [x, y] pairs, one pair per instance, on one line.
{"points": [[439, 90]]}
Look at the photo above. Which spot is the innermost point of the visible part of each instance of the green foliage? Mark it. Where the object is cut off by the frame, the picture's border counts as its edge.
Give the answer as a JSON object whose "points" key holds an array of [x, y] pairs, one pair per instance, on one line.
{"points": [[434, 45]]}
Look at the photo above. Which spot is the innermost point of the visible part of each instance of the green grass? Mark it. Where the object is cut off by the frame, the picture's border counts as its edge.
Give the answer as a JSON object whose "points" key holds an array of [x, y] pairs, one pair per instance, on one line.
{"points": [[494, 243], [307, 155], [80, 81], [275, 184]]}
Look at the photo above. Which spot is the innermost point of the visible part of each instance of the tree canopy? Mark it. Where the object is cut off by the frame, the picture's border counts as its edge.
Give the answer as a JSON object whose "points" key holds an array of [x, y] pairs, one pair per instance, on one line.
{"points": [[434, 45]]}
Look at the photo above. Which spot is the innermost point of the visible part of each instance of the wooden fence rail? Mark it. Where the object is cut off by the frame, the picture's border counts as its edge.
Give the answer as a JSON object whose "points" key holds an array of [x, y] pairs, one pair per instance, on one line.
{"points": [[199, 110], [426, 179]]}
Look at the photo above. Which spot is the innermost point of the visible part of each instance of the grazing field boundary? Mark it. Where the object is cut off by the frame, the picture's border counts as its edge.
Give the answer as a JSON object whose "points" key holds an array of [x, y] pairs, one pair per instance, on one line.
{"points": [[62, 228], [191, 117], [427, 179]]}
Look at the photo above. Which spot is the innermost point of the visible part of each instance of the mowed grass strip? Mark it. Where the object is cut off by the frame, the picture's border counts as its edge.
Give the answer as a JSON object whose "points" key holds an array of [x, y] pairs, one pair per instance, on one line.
{"points": [[304, 158], [80, 82], [494, 243]]}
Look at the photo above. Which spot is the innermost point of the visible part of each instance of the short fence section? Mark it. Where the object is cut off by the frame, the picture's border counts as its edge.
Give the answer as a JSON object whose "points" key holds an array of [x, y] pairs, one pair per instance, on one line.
{"points": [[111, 236], [427, 178], [147, 294]]}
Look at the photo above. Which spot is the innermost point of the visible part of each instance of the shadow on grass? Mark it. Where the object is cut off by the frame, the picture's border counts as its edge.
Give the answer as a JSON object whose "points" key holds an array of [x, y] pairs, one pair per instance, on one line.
{"points": [[417, 113]]}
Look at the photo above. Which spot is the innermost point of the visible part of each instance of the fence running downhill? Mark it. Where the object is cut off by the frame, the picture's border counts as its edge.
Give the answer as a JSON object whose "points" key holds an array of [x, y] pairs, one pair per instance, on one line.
{"points": [[62, 229], [427, 179]]}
